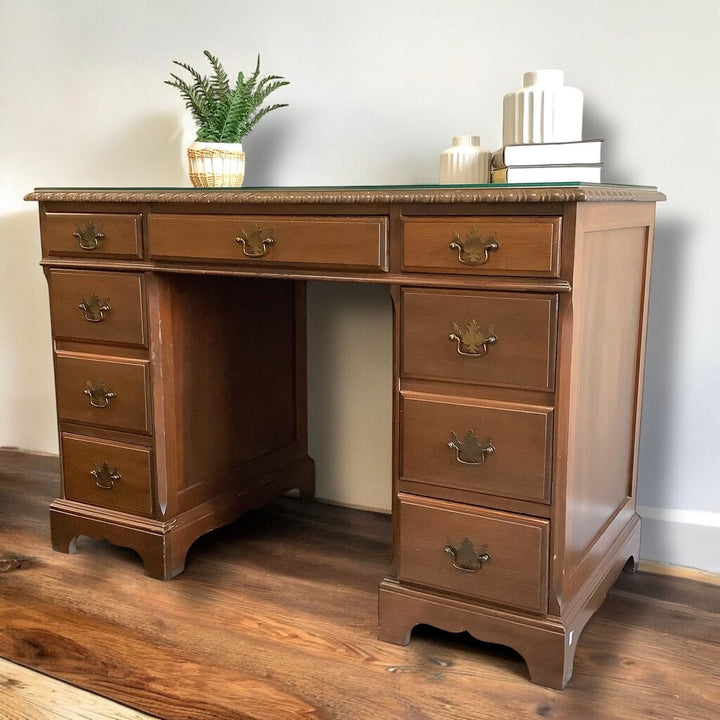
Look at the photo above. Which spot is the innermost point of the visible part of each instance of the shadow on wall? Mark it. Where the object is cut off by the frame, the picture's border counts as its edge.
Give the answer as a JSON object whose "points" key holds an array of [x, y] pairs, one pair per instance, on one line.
{"points": [[265, 155], [597, 125], [27, 394], [664, 356], [662, 368], [151, 152]]}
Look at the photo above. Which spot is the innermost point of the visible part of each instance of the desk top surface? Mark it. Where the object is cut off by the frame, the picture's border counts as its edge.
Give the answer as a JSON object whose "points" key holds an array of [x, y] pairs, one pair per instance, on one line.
{"points": [[434, 194]]}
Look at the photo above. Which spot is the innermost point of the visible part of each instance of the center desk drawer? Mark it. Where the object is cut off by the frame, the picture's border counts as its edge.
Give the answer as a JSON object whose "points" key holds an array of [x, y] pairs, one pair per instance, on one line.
{"points": [[345, 242], [482, 245], [495, 556], [482, 338], [106, 307], [104, 393], [499, 449], [108, 474]]}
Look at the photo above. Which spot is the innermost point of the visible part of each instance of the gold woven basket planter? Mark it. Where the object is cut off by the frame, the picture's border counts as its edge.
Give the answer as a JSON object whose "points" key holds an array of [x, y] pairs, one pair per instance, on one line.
{"points": [[216, 164]]}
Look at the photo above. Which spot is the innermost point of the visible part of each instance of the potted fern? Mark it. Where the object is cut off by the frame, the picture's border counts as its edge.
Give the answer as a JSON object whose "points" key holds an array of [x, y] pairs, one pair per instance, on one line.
{"points": [[224, 115]]}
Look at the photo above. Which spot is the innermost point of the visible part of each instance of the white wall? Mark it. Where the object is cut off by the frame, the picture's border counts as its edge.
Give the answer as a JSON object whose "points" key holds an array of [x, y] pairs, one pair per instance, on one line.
{"points": [[378, 89]]}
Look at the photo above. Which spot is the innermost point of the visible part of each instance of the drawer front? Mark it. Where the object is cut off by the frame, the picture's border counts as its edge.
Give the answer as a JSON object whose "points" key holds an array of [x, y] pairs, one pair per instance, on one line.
{"points": [[92, 235], [483, 246], [103, 307], [108, 474], [494, 556], [482, 338], [347, 242], [105, 393], [496, 449]]}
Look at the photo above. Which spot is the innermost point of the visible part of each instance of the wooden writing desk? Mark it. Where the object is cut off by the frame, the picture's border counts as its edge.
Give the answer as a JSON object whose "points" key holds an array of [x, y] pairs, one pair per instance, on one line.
{"points": [[178, 319]]}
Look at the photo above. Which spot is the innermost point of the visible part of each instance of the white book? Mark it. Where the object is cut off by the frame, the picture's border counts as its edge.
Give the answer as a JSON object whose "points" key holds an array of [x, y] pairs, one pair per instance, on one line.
{"points": [[585, 152], [548, 174]]}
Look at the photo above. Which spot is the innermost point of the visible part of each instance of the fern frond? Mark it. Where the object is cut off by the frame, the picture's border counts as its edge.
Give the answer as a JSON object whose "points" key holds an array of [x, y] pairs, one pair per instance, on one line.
{"points": [[270, 78], [262, 92], [235, 117], [195, 102], [262, 112], [252, 80], [219, 82], [194, 73]]}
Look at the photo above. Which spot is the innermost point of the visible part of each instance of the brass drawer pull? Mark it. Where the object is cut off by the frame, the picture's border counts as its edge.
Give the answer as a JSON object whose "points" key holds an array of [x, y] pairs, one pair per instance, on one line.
{"points": [[255, 242], [474, 249], [94, 309], [465, 557], [98, 394], [88, 237], [473, 339], [469, 450], [105, 477]]}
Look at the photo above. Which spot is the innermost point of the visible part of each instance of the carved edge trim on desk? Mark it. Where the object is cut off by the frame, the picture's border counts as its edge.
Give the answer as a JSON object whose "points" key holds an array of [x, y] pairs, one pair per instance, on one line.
{"points": [[583, 193]]}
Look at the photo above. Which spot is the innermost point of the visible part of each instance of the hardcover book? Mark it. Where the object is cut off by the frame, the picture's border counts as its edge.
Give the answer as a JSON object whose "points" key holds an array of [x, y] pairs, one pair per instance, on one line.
{"points": [[548, 173], [586, 152]]}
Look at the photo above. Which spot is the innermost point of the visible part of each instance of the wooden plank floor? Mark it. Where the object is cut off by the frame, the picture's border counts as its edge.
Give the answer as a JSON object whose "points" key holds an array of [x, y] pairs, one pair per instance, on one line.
{"points": [[275, 617], [28, 695]]}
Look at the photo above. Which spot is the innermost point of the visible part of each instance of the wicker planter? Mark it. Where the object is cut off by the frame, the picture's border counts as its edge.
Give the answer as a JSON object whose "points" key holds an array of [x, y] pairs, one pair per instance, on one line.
{"points": [[216, 164]]}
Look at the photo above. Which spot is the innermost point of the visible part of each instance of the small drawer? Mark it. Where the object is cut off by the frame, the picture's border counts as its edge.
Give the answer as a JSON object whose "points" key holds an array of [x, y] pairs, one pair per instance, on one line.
{"points": [[499, 449], [482, 245], [92, 235], [481, 338], [358, 243], [98, 306], [112, 475], [481, 554], [104, 393]]}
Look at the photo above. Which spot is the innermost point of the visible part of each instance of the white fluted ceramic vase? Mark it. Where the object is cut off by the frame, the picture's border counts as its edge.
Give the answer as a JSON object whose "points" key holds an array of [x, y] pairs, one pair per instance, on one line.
{"points": [[544, 110], [465, 163]]}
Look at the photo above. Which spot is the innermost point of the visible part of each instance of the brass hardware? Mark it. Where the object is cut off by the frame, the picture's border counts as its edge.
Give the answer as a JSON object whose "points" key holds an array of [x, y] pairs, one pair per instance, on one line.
{"points": [[255, 242], [105, 477], [475, 341], [99, 396], [470, 448], [474, 250], [88, 237], [465, 557], [94, 309]]}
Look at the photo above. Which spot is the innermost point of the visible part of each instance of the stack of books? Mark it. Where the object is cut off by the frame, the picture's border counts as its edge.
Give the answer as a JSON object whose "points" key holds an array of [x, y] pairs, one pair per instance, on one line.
{"points": [[548, 162]]}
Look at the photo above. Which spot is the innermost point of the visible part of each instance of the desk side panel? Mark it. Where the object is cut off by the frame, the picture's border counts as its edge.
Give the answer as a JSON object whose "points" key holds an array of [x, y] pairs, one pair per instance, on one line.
{"points": [[601, 355]]}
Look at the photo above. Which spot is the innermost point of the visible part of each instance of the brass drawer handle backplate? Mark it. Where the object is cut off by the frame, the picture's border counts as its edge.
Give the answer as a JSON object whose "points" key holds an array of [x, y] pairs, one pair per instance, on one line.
{"points": [[469, 450], [88, 237], [255, 242], [472, 339], [474, 249], [465, 557], [98, 394], [94, 309], [105, 476]]}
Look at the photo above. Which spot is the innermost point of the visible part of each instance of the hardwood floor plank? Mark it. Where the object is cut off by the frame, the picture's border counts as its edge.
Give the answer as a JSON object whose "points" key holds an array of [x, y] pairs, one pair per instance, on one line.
{"points": [[684, 573], [665, 616], [673, 589], [28, 695], [276, 617]]}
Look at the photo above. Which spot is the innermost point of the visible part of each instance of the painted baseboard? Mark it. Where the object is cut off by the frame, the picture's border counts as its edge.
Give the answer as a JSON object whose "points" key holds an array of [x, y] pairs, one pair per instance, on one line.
{"points": [[688, 538]]}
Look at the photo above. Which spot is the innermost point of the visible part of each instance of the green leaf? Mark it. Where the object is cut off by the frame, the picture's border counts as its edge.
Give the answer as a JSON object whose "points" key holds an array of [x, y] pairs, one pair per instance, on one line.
{"points": [[219, 82]]}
